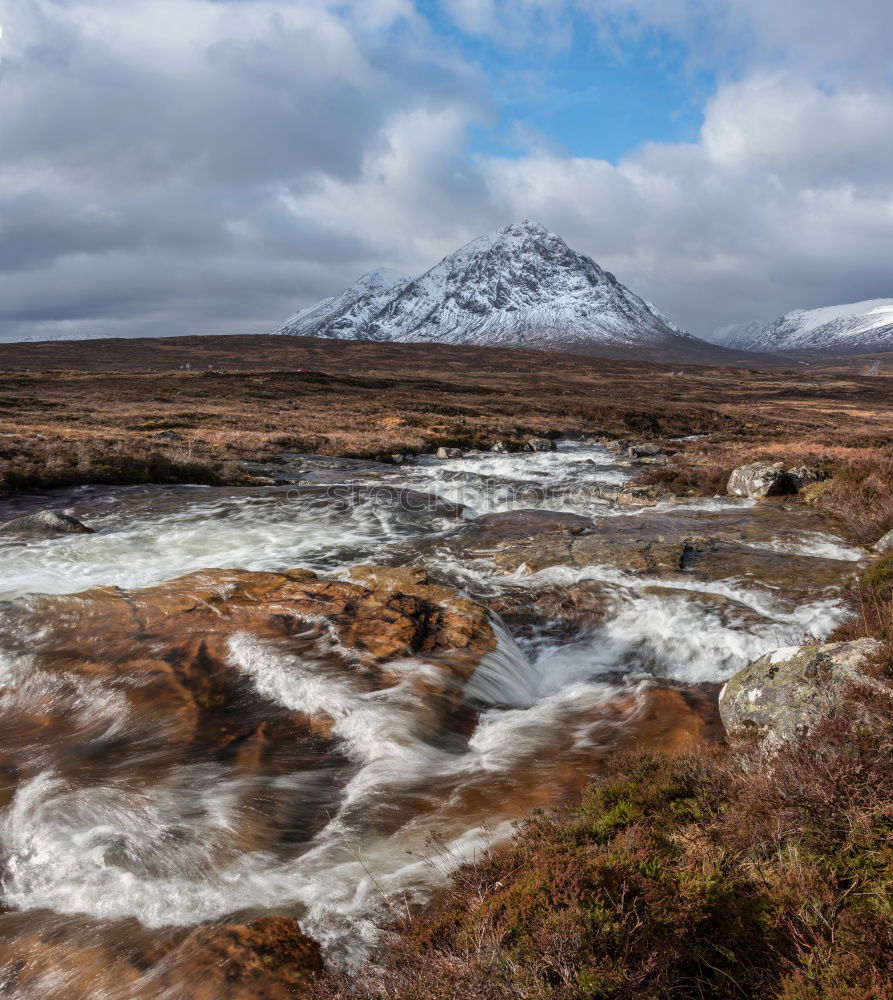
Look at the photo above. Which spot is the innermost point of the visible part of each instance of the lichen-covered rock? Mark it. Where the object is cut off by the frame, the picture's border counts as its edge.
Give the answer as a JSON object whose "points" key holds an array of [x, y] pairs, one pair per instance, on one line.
{"points": [[758, 480], [46, 522], [645, 449], [802, 475], [540, 444], [784, 691], [449, 452]]}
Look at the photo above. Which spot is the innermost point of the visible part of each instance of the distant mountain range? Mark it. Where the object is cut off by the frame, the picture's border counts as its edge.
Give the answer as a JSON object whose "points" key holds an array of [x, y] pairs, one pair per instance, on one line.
{"points": [[520, 287], [856, 328]]}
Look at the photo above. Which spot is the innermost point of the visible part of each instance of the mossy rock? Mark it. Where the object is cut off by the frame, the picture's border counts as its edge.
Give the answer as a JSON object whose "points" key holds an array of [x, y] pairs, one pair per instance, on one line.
{"points": [[784, 691]]}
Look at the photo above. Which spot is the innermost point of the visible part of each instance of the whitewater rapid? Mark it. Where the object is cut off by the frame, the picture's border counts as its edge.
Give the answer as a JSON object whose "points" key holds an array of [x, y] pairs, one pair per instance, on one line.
{"points": [[156, 840]]}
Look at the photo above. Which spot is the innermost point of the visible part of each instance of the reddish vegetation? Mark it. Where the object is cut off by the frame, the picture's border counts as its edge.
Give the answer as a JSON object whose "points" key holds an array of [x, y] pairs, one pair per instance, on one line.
{"points": [[121, 411]]}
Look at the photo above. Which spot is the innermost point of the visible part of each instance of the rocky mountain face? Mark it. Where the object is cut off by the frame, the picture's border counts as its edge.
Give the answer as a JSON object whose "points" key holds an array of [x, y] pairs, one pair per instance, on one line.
{"points": [[520, 287], [845, 329], [342, 315]]}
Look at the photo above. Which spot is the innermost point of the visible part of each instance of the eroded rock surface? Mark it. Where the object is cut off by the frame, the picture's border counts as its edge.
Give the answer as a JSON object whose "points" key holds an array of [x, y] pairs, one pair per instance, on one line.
{"points": [[268, 959]]}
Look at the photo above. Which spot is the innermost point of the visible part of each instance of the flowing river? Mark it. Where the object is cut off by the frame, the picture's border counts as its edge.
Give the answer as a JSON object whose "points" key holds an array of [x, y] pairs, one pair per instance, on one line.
{"points": [[155, 776]]}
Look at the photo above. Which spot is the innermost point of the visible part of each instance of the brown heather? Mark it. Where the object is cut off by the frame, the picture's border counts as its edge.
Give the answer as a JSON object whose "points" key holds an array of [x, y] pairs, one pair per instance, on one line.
{"points": [[104, 411]]}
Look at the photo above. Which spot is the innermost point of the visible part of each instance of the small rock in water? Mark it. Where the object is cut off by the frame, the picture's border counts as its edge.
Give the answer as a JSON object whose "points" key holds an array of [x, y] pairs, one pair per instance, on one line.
{"points": [[501, 448], [449, 452], [540, 444], [784, 691], [47, 522], [758, 480]]}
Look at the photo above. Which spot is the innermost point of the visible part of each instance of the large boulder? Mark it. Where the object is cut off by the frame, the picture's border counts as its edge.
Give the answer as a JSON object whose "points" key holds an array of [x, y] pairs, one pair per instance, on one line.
{"points": [[784, 691], [534, 540], [46, 522], [759, 480], [645, 449]]}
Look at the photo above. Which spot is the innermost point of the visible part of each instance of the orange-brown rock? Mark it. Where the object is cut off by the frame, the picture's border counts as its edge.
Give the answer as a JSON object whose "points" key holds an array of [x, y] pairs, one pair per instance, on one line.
{"points": [[268, 959], [166, 651]]}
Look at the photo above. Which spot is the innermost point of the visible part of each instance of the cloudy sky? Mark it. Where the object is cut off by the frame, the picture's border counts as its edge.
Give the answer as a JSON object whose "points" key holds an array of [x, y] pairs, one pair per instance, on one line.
{"points": [[210, 166]]}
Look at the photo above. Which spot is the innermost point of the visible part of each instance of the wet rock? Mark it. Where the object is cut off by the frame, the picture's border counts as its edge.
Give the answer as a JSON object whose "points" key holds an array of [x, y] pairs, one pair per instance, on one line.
{"points": [[884, 543], [560, 611], [629, 495], [784, 691], [46, 522], [449, 453], [181, 656], [267, 959], [540, 444], [534, 540], [699, 543], [801, 476], [645, 449], [758, 480]]}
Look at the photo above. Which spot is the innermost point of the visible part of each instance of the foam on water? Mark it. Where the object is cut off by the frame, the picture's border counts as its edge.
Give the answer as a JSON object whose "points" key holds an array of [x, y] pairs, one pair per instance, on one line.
{"points": [[267, 533]]}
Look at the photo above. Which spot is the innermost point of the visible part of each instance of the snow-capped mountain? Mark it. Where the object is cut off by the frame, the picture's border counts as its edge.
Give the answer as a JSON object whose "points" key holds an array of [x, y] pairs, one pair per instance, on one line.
{"points": [[852, 328], [522, 286], [341, 315]]}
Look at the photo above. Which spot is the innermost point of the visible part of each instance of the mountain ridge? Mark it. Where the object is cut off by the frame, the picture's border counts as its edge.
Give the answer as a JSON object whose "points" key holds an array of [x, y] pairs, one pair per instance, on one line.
{"points": [[849, 328]]}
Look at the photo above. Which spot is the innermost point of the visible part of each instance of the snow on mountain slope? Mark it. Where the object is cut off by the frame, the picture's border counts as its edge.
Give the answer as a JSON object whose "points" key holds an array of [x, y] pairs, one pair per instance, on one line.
{"points": [[521, 286], [855, 327], [341, 314]]}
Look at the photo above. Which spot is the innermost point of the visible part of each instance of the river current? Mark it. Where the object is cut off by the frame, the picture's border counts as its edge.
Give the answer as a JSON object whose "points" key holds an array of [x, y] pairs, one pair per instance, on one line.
{"points": [[118, 836]]}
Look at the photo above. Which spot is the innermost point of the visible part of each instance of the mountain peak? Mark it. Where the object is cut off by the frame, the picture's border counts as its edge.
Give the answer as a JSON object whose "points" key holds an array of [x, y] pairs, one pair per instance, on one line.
{"points": [[520, 286], [525, 227]]}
